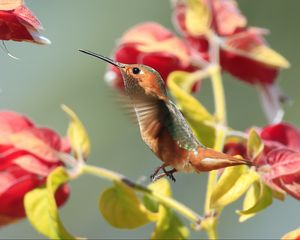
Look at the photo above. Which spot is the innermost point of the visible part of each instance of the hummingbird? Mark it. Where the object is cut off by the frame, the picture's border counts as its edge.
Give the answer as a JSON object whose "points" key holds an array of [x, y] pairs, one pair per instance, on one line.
{"points": [[163, 127]]}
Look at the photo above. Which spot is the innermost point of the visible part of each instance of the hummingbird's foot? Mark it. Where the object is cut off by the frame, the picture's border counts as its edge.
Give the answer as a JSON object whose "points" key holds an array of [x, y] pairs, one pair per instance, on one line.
{"points": [[157, 176], [169, 174], [154, 176]]}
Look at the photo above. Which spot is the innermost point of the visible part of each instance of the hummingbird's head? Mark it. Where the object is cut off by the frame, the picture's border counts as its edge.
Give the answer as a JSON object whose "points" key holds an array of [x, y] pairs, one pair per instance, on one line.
{"points": [[138, 78]]}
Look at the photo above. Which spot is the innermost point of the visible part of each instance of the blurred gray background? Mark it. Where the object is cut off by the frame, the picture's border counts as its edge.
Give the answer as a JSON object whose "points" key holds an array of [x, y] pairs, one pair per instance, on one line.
{"points": [[47, 76]]}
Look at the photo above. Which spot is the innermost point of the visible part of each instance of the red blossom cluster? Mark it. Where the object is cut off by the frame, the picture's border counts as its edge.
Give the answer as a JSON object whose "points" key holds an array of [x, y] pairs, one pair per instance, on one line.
{"points": [[27, 156], [279, 163], [212, 32], [242, 50], [18, 23]]}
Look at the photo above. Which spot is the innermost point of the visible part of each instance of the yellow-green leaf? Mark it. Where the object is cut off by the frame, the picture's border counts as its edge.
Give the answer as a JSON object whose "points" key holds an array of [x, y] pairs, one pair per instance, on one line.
{"points": [[121, 207], [169, 226], [254, 145], [41, 209], [77, 134], [269, 56], [258, 198], [200, 120], [295, 234], [279, 195], [209, 225], [161, 186], [198, 17], [237, 189], [226, 181], [263, 54], [250, 199]]}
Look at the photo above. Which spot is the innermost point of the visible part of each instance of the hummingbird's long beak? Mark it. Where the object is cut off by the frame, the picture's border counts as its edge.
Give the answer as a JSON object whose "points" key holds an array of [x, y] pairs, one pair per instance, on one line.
{"points": [[106, 59]]}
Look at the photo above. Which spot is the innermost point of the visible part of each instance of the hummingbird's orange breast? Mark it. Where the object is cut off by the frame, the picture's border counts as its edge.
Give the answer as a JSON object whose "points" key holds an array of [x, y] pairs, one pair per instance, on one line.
{"points": [[169, 151]]}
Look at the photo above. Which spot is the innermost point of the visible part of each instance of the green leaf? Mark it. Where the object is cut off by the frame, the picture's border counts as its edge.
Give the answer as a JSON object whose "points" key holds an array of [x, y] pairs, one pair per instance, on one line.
{"points": [[240, 186], [254, 145], [197, 17], [169, 226], [200, 120], [121, 207], [258, 197], [41, 209], [77, 134]]}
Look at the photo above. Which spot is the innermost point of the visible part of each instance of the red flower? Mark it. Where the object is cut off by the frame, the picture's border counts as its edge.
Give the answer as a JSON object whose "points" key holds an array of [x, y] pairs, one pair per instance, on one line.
{"points": [[279, 162], [18, 23], [243, 51], [27, 155], [153, 45], [282, 156]]}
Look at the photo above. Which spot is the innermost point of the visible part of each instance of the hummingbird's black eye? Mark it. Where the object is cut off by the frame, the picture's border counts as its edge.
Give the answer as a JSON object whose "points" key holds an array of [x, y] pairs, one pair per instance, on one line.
{"points": [[136, 70]]}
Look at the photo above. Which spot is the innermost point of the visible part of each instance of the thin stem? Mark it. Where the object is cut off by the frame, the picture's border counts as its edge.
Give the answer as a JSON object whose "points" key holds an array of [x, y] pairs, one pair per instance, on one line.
{"points": [[219, 96], [209, 225], [212, 178], [220, 114], [169, 202]]}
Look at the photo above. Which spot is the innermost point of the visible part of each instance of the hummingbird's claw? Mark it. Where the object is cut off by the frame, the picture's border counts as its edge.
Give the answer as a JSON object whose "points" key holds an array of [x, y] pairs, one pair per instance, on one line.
{"points": [[169, 174], [155, 176]]}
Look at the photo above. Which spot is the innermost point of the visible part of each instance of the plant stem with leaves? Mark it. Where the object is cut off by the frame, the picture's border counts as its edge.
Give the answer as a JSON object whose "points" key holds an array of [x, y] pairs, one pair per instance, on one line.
{"points": [[209, 225], [169, 202]]}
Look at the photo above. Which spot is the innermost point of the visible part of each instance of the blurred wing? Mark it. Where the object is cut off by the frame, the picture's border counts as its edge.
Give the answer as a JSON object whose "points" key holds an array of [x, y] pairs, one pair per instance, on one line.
{"points": [[151, 114], [124, 103]]}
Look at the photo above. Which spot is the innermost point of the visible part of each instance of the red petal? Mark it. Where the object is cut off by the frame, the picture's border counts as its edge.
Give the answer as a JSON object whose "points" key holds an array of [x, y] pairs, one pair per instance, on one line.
{"points": [[146, 33], [42, 142], [246, 69], [227, 18], [20, 25], [283, 162], [234, 149], [127, 53], [62, 195], [164, 63], [283, 133], [15, 183], [34, 165], [8, 155], [12, 122], [23, 13]]}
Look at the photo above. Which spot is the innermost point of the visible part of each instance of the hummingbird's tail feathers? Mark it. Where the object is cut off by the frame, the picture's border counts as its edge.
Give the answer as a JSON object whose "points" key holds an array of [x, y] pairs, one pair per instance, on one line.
{"points": [[209, 159]]}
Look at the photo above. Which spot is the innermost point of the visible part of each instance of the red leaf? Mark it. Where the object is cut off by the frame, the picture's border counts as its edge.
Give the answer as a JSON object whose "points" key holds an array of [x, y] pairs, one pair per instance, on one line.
{"points": [[20, 24], [283, 133]]}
